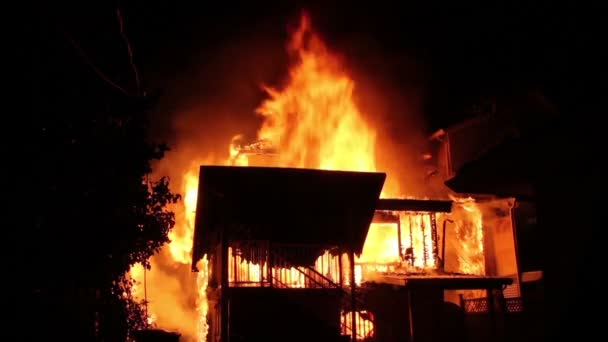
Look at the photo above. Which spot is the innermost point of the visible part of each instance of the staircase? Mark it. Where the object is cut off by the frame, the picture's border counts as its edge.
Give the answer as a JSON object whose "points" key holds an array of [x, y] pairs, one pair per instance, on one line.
{"points": [[312, 278]]}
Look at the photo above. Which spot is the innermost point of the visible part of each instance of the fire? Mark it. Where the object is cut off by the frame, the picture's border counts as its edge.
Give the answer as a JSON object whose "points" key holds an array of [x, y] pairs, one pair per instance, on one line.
{"points": [[236, 157], [181, 238], [468, 240], [365, 327], [381, 246], [176, 297], [313, 122]]}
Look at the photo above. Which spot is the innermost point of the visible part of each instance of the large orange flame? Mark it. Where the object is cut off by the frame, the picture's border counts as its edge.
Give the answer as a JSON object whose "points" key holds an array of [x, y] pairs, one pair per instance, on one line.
{"points": [[314, 121]]}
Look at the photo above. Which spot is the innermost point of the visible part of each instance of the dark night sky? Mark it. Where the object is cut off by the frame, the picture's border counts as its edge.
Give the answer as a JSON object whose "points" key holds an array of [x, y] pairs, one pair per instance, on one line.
{"points": [[460, 53]]}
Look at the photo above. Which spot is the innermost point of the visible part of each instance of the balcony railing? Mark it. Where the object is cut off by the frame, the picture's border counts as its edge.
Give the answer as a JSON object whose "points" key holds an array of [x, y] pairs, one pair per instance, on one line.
{"points": [[257, 264], [481, 305]]}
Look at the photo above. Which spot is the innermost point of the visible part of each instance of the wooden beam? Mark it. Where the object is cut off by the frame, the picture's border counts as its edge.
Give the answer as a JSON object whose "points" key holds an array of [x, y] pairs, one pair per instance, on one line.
{"points": [[397, 204]]}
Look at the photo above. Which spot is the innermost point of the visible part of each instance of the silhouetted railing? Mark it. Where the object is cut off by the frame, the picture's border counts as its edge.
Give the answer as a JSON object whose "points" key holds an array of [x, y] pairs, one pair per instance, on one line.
{"points": [[285, 274], [365, 324], [257, 264], [481, 305], [248, 264]]}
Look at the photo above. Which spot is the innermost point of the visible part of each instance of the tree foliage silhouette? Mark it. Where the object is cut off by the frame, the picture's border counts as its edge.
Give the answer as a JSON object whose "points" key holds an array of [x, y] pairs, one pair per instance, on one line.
{"points": [[94, 212]]}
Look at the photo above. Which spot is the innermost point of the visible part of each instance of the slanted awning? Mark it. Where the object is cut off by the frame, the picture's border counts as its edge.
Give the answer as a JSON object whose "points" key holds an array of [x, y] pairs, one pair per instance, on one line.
{"points": [[400, 204], [507, 170], [284, 205]]}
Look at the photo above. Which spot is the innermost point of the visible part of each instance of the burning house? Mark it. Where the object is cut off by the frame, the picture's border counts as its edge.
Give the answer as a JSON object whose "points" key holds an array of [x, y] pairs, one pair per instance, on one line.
{"points": [[302, 235], [484, 157], [281, 245], [283, 249]]}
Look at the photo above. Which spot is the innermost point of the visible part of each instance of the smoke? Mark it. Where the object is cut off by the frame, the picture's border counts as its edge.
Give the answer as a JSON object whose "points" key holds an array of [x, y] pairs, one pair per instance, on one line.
{"points": [[390, 89]]}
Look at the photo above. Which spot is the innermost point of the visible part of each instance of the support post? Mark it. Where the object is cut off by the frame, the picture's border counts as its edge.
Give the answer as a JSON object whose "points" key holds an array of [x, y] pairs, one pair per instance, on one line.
{"points": [[235, 265], [224, 291], [340, 269], [425, 249], [399, 243], [353, 298], [410, 313], [435, 249], [443, 238], [492, 313], [269, 263]]}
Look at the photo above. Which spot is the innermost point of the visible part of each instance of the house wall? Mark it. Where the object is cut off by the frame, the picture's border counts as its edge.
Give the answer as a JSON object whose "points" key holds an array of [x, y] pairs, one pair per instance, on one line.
{"points": [[499, 242], [498, 237], [528, 237]]}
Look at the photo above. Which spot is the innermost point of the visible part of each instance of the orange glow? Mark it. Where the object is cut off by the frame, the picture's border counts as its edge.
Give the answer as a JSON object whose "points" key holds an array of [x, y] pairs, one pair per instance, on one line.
{"points": [[243, 272], [313, 122], [381, 252], [181, 238], [236, 158], [468, 240], [365, 325], [176, 296], [381, 245]]}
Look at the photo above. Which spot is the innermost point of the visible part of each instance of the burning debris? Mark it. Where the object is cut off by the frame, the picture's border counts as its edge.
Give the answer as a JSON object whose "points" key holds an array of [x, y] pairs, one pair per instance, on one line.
{"points": [[240, 153]]}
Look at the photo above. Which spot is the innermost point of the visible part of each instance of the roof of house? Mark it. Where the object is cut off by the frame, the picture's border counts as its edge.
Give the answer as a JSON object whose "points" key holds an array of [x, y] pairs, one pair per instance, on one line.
{"points": [[284, 205]]}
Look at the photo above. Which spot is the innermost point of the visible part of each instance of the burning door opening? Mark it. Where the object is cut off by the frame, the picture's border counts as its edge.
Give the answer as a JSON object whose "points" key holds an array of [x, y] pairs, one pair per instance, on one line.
{"points": [[313, 122]]}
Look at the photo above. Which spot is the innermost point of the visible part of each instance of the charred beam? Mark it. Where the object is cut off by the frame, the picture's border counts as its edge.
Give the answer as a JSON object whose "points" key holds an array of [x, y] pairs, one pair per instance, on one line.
{"points": [[447, 282], [385, 217], [396, 204], [434, 236], [425, 249]]}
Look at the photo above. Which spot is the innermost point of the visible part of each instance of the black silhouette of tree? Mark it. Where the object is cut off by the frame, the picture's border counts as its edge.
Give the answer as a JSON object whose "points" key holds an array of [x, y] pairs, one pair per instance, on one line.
{"points": [[94, 211]]}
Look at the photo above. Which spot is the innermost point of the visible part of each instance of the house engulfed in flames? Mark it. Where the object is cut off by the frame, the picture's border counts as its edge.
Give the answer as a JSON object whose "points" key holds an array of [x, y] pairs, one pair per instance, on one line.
{"points": [[286, 246], [300, 236]]}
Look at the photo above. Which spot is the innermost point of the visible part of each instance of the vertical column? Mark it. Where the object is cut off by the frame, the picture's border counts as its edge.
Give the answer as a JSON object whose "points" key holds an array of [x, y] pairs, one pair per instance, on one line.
{"points": [[496, 316], [492, 313], [235, 265], [353, 298], [269, 264], [435, 248], [410, 313], [224, 317], [425, 249], [399, 243], [340, 269], [413, 255]]}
